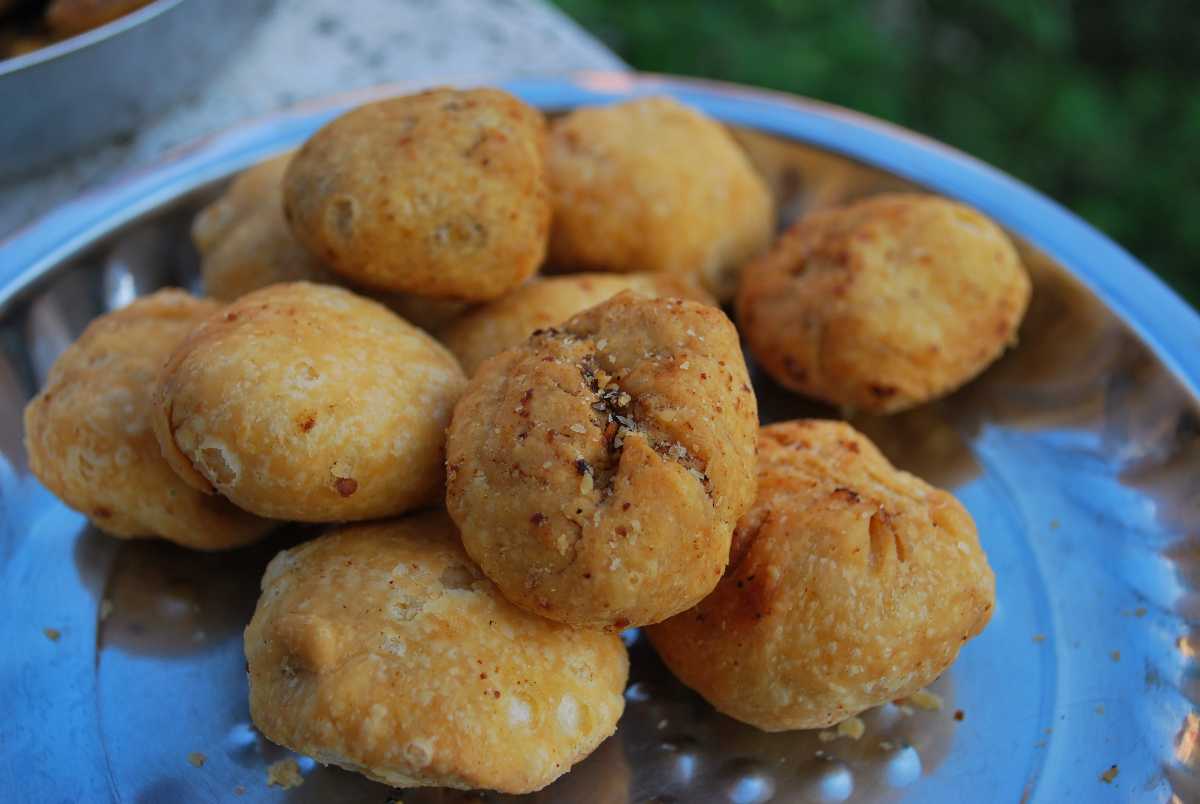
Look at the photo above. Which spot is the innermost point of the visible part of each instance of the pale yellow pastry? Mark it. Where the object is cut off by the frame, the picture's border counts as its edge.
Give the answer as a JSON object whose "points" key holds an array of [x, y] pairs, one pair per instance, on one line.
{"points": [[438, 194], [654, 185], [89, 439], [491, 328], [306, 402], [597, 470], [382, 649], [850, 584], [245, 243], [883, 304]]}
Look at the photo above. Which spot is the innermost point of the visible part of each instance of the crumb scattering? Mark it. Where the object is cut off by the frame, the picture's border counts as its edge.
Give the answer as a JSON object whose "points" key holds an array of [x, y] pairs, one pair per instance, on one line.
{"points": [[52, 634], [852, 728], [924, 699], [1039, 637], [1115, 655], [1110, 774], [285, 773], [239, 790], [196, 759], [959, 715]]}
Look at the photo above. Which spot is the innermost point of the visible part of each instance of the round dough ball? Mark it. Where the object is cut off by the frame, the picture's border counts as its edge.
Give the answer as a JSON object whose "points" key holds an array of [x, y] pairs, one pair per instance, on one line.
{"points": [[506, 322], [883, 304], [438, 194], [89, 439], [382, 649], [850, 584], [653, 185], [245, 243], [308, 403], [597, 470]]}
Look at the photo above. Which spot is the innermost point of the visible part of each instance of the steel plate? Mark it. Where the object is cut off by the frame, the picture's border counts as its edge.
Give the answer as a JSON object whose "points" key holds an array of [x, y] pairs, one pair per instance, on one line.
{"points": [[1078, 455]]}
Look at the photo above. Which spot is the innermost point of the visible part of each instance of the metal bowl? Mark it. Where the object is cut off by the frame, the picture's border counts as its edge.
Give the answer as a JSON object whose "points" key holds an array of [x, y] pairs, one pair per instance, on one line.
{"points": [[1078, 455], [107, 81]]}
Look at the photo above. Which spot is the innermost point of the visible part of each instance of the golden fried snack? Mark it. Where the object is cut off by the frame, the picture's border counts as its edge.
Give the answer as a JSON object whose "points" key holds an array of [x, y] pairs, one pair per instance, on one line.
{"points": [[506, 322], [308, 403], [70, 17], [89, 439], [382, 649], [850, 584], [653, 185], [438, 194], [245, 243], [597, 470], [883, 304]]}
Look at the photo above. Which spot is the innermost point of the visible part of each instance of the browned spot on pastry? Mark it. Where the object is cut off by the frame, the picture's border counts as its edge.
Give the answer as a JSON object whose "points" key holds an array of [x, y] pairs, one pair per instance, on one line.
{"points": [[307, 423], [883, 391], [102, 512], [538, 518], [346, 486], [846, 495]]}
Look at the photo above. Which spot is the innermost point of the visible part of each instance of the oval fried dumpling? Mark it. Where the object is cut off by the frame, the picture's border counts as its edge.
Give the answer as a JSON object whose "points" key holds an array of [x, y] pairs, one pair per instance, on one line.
{"points": [[493, 327], [597, 470], [382, 649], [885, 303], [654, 185], [89, 437], [306, 402], [440, 194], [245, 243], [850, 584]]}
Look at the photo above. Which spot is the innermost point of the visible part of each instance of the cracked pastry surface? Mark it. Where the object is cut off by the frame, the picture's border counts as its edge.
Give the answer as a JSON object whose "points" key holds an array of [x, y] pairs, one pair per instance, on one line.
{"points": [[439, 194], [654, 185], [850, 584], [885, 303], [382, 649], [89, 438], [491, 328], [308, 403], [597, 470]]}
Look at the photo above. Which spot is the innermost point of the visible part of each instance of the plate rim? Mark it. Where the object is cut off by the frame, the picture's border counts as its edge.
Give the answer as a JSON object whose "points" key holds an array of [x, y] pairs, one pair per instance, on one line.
{"points": [[1157, 316]]}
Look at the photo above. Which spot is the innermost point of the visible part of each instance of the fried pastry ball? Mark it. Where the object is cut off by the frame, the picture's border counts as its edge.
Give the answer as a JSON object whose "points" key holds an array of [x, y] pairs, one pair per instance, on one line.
{"points": [[382, 649], [89, 439], [439, 194], [506, 322], [653, 185], [245, 243], [597, 470], [883, 304], [70, 17], [308, 403], [850, 584]]}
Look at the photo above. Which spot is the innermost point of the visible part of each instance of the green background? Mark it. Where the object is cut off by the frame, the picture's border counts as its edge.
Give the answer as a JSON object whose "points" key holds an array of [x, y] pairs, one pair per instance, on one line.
{"points": [[1096, 104]]}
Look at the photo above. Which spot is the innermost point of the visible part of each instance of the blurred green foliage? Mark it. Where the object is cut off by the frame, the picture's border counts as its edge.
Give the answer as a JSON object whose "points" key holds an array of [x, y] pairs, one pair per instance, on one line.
{"points": [[1095, 103]]}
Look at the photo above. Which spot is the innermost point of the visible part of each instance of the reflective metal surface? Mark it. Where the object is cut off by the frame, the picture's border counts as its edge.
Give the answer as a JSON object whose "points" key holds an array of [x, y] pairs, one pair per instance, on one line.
{"points": [[1078, 455], [106, 81]]}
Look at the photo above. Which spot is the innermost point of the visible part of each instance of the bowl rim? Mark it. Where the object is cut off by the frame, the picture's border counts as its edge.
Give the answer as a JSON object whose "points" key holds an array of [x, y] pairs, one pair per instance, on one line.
{"points": [[1160, 318], [86, 39]]}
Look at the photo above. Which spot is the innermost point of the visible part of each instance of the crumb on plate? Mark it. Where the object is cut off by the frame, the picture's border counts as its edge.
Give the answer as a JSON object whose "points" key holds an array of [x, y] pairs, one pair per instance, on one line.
{"points": [[285, 773]]}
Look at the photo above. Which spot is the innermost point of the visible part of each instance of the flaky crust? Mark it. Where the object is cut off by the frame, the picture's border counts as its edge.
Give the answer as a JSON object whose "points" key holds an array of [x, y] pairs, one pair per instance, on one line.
{"points": [[850, 584], [89, 439], [245, 243], [382, 649], [653, 185], [306, 402], [541, 303], [883, 304], [439, 194], [597, 470]]}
